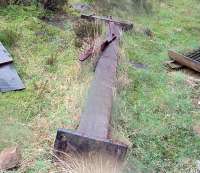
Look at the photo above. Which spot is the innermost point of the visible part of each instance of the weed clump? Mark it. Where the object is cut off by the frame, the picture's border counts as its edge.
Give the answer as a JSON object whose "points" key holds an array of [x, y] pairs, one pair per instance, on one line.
{"points": [[8, 37], [84, 29], [54, 5], [89, 163], [130, 6], [3, 2]]}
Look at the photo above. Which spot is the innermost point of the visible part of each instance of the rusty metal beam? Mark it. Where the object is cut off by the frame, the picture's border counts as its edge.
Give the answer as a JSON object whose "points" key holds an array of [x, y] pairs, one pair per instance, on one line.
{"points": [[4, 55], [92, 133], [99, 103], [72, 141]]}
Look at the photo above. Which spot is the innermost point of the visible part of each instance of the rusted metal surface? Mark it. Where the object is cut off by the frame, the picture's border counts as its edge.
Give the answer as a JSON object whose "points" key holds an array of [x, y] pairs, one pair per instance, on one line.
{"points": [[92, 133], [125, 25], [191, 60], [99, 103], [9, 79], [105, 44], [86, 54], [69, 141], [4, 55]]}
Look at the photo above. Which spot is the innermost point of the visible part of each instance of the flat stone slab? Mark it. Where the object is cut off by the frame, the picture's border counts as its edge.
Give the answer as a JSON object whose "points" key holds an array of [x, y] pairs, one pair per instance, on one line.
{"points": [[138, 65], [4, 55], [9, 79]]}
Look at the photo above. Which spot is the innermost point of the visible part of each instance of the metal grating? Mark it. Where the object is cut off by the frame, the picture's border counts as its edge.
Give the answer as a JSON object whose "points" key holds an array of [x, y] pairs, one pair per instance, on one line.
{"points": [[194, 55], [190, 59]]}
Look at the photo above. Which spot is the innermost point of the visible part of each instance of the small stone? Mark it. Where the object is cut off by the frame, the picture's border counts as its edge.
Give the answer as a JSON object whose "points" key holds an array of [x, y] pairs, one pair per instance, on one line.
{"points": [[138, 65], [198, 165], [178, 30], [10, 158]]}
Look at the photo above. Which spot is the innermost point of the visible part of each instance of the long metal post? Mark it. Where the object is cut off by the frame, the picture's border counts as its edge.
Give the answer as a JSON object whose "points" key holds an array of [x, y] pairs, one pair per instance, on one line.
{"points": [[95, 119], [92, 133]]}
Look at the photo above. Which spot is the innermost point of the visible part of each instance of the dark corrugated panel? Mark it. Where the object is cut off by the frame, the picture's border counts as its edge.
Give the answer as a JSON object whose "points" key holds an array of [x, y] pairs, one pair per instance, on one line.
{"points": [[9, 79], [4, 55]]}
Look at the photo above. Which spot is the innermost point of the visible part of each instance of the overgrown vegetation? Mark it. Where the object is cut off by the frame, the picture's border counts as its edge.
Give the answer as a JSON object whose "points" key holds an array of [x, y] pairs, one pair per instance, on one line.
{"points": [[54, 5], [156, 110], [46, 59], [109, 7]]}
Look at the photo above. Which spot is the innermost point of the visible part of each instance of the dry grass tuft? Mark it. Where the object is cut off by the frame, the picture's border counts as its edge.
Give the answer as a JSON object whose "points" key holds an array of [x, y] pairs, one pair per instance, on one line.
{"points": [[90, 163]]}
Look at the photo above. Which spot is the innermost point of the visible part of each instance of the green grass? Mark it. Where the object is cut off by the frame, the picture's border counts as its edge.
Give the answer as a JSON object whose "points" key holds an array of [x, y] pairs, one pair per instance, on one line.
{"points": [[46, 59], [155, 110]]}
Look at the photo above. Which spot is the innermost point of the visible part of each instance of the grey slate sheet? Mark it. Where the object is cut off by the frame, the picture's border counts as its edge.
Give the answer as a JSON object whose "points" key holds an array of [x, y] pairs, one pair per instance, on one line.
{"points": [[9, 79], [4, 55]]}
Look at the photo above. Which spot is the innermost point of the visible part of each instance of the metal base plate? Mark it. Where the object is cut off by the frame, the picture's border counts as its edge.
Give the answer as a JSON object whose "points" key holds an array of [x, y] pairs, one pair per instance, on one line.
{"points": [[68, 141]]}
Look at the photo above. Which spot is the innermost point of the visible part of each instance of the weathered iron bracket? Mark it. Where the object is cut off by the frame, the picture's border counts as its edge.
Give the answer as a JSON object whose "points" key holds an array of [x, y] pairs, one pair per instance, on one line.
{"points": [[69, 141], [125, 25]]}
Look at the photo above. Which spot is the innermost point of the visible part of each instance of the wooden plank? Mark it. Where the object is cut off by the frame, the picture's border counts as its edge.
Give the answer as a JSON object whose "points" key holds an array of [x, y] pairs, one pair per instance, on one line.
{"points": [[9, 79], [4, 55], [195, 65], [124, 24]]}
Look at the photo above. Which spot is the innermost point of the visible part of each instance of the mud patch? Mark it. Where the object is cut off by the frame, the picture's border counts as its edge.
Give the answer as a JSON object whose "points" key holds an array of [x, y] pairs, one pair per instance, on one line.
{"points": [[138, 65]]}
